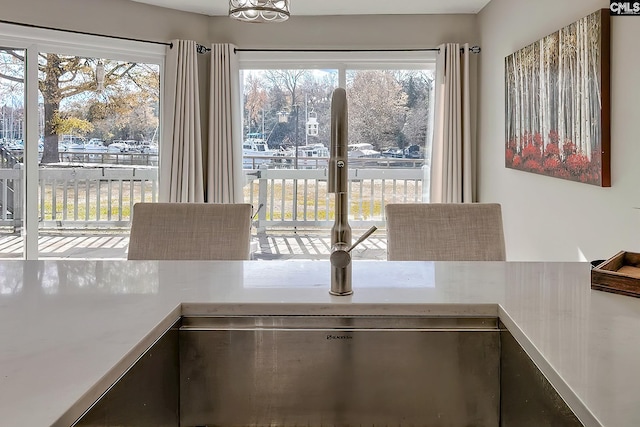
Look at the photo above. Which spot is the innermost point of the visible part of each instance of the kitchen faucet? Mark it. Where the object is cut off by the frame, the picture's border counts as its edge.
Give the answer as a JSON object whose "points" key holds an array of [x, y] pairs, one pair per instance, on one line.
{"points": [[338, 183]]}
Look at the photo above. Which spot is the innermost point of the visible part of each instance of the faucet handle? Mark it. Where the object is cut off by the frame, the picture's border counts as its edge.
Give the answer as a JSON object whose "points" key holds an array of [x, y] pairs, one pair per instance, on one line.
{"points": [[341, 253], [340, 265], [362, 238]]}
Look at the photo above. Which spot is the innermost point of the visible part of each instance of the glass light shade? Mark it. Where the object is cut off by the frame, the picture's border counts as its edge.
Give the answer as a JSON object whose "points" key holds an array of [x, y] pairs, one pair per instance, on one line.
{"points": [[259, 10]]}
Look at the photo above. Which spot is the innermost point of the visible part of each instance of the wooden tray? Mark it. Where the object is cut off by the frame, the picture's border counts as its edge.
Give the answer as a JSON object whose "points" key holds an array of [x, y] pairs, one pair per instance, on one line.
{"points": [[619, 274]]}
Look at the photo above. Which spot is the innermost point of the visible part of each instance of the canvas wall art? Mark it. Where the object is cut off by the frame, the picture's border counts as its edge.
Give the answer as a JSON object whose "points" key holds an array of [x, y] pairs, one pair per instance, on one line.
{"points": [[557, 103]]}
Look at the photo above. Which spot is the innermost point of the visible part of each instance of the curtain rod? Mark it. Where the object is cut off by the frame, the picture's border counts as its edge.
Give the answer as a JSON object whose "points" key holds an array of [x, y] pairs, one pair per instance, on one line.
{"points": [[203, 49], [42, 27], [473, 49]]}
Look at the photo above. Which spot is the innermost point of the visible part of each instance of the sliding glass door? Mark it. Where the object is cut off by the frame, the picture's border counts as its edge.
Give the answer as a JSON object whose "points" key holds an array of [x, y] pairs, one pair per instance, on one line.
{"points": [[99, 152], [286, 129], [79, 143]]}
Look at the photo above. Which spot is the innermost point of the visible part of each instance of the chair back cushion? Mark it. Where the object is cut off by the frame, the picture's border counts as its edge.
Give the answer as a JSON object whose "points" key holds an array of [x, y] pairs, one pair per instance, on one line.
{"points": [[445, 232], [190, 231]]}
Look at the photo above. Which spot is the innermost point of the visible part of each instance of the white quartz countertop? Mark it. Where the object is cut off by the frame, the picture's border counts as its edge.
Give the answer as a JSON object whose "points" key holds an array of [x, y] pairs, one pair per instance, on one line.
{"points": [[64, 325]]}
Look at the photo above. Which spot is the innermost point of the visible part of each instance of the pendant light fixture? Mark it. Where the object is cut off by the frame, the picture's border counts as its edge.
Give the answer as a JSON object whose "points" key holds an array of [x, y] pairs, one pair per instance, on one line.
{"points": [[259, 10]]}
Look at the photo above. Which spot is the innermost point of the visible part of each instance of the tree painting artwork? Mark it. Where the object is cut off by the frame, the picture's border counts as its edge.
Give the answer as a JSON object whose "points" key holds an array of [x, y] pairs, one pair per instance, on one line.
{"points": [[557, 104]]}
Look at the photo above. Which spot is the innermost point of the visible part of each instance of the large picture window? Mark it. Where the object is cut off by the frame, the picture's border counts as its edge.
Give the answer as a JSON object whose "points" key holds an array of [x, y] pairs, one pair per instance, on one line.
{"points": [[286, 133], [286, 117]]}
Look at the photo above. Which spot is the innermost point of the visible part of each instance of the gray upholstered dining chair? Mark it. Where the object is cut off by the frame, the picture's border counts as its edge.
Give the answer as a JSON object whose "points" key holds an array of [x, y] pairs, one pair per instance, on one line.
{"points": [[190, 231], [445, 232]]}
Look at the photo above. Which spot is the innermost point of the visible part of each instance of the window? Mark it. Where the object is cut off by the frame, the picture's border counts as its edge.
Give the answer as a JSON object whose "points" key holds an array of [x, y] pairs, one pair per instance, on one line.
{"points": [[286, 111], [286, 117], [107, 125], [389, 114], [86, 139]]}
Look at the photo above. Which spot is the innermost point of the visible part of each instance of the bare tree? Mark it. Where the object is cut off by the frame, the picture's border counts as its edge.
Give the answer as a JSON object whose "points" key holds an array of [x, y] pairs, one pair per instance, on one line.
{"points": [[255, 98], [62, 77], [288, 81], [377, 107]]}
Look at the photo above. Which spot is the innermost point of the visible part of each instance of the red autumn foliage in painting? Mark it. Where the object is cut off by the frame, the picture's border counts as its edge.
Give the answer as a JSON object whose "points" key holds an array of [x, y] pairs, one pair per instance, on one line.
{"points": [[556, 102], [546, 157]]}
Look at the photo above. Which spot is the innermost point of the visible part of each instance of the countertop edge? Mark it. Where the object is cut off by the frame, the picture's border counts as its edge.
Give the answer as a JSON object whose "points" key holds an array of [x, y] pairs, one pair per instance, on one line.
{"points": [[586, 417], [91, 396]]}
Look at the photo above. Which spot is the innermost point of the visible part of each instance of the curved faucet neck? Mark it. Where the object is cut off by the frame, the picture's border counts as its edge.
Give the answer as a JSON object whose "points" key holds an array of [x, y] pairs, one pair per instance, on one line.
{"points": [[338, 155], [339, 184]]}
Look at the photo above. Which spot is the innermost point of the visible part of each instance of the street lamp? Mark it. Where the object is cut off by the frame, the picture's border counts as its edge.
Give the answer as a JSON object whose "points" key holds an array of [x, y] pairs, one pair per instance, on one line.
{"points": [[297, 109], [283, 117], [100, 76], [4, 126]]}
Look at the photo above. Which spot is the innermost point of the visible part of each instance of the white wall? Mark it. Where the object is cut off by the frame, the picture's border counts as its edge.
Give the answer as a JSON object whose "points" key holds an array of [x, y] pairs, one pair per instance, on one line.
{"points": [[547, 218], [112, 17], [353, 31]]}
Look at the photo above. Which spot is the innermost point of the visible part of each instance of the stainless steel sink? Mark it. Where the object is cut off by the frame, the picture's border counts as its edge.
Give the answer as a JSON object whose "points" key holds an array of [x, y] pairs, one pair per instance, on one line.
{"points": [[317, 371], [331, 371]]}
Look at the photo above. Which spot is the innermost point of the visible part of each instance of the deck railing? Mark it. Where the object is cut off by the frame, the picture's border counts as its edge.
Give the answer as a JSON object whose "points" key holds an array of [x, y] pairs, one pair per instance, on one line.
{"points": [[299, 198], [10, 200], [94, 197], [79, 197]]}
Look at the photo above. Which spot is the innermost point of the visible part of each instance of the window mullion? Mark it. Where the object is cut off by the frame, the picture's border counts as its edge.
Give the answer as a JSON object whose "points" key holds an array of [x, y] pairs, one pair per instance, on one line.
{"points": [[31, 155], [342, 76]]}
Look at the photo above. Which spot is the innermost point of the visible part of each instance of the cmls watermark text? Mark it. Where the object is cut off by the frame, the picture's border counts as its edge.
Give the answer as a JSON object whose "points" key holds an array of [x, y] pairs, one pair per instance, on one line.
{"points": [[624, 7]]}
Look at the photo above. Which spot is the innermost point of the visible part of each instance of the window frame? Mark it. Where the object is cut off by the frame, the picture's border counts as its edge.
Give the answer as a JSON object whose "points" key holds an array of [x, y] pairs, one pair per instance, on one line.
{"points": [[36, 40], [338, 60], [343, 61]]}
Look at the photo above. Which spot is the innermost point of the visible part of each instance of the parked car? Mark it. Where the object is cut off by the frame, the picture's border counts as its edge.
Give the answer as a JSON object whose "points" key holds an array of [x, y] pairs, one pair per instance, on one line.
{"points": [[153, 149], [148, 147], [413, 152], [394, 153]]}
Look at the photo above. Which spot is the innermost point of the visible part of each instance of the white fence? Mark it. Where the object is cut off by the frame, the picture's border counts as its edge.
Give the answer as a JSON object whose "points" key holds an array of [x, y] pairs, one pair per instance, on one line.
{"points": [[10, 199], [93, 197], [299, 198], [80, 197]]}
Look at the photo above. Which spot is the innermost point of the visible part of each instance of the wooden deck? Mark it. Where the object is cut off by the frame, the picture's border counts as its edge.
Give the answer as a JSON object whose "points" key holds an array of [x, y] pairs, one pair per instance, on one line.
{"points": [[268, 246]]}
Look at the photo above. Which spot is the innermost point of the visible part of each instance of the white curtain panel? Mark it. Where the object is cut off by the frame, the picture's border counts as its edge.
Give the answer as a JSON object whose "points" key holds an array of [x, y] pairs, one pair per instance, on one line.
{"points": [[224, 158], [181, 173], [452, 170]]}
